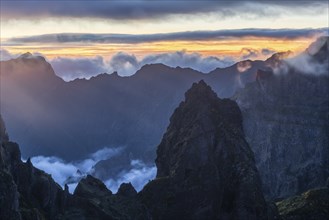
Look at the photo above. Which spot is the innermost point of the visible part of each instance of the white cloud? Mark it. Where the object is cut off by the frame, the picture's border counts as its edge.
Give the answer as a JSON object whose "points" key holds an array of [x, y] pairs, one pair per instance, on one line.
{"points": [[5, 55], [59, 169], [71, 172], [72, 68], [138, 176], [188, 60], [127, 64], [307, 62]]}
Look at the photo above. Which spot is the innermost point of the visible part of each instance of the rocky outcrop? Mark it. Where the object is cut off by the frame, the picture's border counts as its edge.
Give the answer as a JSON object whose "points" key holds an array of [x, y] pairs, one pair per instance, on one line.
{"points": [[310, 205], [286, 123], [91, 187], [127, 189], [206, 169], [92, 200]]}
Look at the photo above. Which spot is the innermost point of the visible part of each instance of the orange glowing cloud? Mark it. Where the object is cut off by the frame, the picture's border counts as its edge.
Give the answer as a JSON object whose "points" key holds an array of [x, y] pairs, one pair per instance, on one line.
{"points": [[236, 48]]}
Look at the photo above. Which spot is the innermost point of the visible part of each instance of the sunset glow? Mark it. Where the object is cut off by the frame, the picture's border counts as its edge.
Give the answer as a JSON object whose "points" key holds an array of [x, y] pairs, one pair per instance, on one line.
{"points": [[233, 48], [225, 30]]}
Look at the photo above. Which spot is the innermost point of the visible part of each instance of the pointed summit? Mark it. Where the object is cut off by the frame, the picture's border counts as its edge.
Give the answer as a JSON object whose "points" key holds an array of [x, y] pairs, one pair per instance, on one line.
{"points": [[26, 55], [203, 158], [30, 56], [91, 187], [201, 91]]}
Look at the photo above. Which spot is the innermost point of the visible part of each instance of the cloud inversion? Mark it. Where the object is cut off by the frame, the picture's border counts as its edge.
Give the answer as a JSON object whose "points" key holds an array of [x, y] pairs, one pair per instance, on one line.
{"points": [[71, 172]]}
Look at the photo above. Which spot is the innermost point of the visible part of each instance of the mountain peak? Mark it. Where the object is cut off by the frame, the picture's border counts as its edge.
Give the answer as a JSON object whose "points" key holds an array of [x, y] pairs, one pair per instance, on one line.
{"points": [[280, 56], [200, 90], [26, 55], [127, 190], [91, 187], [30, 56]]}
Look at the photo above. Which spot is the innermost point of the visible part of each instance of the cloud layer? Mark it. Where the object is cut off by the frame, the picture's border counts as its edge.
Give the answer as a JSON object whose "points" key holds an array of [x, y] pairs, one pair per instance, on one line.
{"points": [[145, 9], [71, 172], [72, 68], [175, 36], [127, 64], [313, 61], [138, 176], [63, 171]]}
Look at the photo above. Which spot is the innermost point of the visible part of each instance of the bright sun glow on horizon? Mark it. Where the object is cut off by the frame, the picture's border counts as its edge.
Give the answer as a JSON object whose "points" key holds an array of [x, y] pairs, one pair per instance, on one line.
{"points": [[220, 48]]}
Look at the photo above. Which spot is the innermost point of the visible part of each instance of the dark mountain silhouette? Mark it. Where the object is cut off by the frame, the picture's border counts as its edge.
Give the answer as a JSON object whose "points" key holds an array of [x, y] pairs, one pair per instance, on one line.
{"points": [[206, 169]]}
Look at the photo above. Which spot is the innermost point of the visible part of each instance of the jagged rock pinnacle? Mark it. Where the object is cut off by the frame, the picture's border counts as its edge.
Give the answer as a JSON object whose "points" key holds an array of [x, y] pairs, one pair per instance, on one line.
{"points": [[204, 159]]}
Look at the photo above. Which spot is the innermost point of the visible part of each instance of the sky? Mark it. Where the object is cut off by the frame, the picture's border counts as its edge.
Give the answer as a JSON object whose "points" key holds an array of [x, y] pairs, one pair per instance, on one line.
{"points": [[105, 36]]}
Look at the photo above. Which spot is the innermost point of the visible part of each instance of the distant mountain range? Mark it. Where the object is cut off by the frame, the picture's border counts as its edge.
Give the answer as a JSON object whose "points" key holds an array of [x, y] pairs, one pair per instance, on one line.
{"points": [[49, 116]]}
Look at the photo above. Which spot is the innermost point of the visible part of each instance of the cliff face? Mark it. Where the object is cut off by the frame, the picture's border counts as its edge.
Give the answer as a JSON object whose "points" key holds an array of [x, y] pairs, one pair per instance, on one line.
{"points": [[286, 123], [206, 169]]}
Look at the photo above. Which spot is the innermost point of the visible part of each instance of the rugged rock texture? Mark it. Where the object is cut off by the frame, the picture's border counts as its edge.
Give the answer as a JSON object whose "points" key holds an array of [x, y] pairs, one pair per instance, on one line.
{"points": [[92, 200], [91, 187], [206, 169], [286, 123], [311, 205], [9, 208], [28, 193]]}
